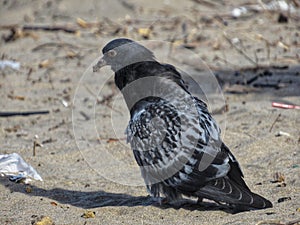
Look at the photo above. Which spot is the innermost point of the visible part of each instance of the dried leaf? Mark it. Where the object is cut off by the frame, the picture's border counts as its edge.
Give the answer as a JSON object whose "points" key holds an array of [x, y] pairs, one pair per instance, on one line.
{"points": [[282, 45], [259, 37], [78, 33], [71, 54], [28, 189], [53, 203], [144, 32], [283, 199], [45, 63], [12, 129], [239, 89], [111, 140], [16, 97], [278, 177], [88, 214], [45, 220], [82, 23], [216, 45]]}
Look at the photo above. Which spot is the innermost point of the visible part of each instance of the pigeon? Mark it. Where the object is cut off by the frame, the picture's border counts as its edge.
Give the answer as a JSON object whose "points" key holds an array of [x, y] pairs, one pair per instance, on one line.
{"points": [[175, 140]]}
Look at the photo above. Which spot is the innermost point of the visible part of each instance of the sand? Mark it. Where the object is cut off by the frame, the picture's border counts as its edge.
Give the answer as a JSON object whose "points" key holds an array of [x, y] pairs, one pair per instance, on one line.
{"points": [[82, 153]]}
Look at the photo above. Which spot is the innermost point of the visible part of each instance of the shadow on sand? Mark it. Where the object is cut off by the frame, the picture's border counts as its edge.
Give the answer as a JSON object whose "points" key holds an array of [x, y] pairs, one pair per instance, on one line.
{"points": [[95, 199]]}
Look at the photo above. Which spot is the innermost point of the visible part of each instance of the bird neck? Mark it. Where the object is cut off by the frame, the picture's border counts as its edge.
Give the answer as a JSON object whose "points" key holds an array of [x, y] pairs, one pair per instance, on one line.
{"points": [[133, 72], [149, 80]]}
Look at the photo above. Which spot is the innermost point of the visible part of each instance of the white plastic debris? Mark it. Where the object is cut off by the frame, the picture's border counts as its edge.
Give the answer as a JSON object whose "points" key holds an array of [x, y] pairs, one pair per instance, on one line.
{"points": [[282, 133], [237, 12], [65, 103], [274, 5], [9, 63], [279, 5], [235, 40], [13, 165]]}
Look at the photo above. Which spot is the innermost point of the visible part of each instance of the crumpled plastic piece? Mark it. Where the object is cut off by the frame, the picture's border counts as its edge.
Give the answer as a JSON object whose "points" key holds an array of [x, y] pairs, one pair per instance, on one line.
{"points": [[274, 5], [14, 166], [9, 63]]}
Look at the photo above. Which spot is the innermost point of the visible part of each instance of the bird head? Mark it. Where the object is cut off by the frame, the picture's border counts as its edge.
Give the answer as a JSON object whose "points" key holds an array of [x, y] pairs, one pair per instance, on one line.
{"points": [[122, 52]]}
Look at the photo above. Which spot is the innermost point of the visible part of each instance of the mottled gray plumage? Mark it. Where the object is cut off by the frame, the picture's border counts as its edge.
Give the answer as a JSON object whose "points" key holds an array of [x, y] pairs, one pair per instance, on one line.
{"points": [[174, 139]]}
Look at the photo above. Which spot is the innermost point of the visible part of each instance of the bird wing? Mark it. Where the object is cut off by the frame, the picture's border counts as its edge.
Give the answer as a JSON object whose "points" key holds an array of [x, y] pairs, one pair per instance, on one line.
{"points": [[176, 148]]}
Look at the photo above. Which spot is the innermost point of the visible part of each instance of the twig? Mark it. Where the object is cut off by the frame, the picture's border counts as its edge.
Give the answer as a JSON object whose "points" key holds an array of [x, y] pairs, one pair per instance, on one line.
{"points": [[57, 126], [268, 51], [51, 44], [7, 114], [240, 50], [49, 28], [17, 31], [262, 85], [48, 141], [251, 80], [86, 117], [277, 118], [40, 27], [127, 5], [171, 47], [260, 67], [207, 3], [34, 145]]}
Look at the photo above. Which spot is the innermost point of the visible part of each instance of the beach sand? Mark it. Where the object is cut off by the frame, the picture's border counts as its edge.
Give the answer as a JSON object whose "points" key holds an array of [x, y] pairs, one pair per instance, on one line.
{"points": [[81, 150]]}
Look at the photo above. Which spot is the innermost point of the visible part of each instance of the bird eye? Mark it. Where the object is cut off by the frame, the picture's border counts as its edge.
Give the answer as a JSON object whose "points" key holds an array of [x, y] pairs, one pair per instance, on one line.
{"points": [[111, 53]]}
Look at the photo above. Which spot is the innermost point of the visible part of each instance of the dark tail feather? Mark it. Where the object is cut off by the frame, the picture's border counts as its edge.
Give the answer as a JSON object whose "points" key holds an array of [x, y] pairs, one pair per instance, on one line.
{"points": [[225, 190]]}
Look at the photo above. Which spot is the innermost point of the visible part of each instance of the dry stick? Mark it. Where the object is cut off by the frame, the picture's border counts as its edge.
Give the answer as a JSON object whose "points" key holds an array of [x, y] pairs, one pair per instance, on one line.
{"points": [[86, 117], [171, 47], [274, 122], [49, 28], [51, 44], [57, 126], [256, 57], [128, 5], [34, 145], [276, 67], [268, 51], [14, 30], [207, 3], [27, 113], [239, 50]]}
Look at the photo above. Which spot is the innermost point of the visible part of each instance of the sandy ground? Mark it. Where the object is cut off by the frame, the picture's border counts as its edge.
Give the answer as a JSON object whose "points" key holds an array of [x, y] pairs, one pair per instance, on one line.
{"points": [[91, 167]]}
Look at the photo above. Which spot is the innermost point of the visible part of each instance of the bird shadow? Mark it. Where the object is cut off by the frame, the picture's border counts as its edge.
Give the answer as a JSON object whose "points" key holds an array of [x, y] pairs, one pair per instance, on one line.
{"points": [[98, 199]]}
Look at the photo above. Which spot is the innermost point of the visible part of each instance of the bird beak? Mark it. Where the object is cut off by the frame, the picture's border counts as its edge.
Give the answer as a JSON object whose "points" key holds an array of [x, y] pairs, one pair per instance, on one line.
{"points": [[99, 64]]}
